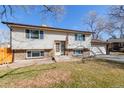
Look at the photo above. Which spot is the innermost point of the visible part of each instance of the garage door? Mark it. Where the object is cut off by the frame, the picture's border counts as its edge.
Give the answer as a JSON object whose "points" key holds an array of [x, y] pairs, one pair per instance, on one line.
{"points": [[98, 50]]}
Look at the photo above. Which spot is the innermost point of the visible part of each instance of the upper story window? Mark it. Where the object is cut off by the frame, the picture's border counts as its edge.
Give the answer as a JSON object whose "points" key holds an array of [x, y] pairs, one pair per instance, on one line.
{"points": [[79, 37], [34, 34]]}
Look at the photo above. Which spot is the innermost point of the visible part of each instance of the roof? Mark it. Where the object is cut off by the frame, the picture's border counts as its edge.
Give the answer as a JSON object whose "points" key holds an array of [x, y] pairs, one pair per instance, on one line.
{"points": [[97, 41], [115, 40], [11, 24]]}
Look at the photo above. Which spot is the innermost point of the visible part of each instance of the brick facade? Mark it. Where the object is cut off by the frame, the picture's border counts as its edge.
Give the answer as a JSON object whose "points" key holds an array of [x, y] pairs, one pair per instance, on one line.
{"points": [[21, 54], [71, 53]]}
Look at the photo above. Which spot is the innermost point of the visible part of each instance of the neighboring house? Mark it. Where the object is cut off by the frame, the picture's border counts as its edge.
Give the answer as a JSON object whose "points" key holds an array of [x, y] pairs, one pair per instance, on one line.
{"points": [[98, 47], [5, 45], [116, 44], [30, 41]]}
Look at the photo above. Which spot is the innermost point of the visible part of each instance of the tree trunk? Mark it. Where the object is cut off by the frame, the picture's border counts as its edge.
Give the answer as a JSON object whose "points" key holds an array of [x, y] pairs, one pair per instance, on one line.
{"points": [[121, 33]]}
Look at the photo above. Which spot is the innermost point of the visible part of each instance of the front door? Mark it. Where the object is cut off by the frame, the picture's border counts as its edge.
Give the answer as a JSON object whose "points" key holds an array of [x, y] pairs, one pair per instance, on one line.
{"points": [[62, 48], [58, 48]]}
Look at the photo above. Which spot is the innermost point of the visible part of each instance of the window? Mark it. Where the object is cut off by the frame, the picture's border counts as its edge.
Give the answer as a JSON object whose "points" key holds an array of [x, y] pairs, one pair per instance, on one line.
{"points": [[34, 34], [77, 52], [34, 54], [79, 37]]}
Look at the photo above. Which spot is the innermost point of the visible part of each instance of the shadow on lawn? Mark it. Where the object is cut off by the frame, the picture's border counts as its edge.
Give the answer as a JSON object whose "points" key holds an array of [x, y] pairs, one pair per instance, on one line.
{"points": [[11, 71]]}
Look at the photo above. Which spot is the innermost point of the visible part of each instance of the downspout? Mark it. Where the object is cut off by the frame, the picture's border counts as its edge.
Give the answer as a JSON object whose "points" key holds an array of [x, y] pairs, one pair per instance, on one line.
{"points": [[66, 42], [11, 45]]}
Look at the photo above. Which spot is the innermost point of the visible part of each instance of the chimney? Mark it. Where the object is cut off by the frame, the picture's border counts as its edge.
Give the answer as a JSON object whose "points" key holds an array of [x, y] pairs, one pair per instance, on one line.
{"points": [[44, 25]]}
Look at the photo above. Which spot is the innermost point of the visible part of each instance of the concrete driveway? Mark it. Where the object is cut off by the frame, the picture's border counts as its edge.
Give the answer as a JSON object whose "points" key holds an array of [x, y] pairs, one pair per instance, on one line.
{"points": [[118, 58]]}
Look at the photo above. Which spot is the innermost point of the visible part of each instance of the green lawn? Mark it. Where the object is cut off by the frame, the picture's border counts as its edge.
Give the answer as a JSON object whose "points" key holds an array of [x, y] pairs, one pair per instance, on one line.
{"points": [[93, 73]]}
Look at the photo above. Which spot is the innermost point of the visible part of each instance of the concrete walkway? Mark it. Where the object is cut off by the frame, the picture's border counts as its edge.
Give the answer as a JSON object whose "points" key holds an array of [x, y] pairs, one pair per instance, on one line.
{"points": [[117, 58], [23, 63]]}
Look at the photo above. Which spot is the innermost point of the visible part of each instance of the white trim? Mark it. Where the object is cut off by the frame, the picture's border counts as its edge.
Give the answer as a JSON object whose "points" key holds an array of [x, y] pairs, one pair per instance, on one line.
{"points": [[31, 54]]}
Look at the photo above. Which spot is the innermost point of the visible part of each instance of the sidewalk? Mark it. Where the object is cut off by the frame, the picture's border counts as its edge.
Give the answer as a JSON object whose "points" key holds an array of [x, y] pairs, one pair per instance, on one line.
{"points": [[23, 63]]}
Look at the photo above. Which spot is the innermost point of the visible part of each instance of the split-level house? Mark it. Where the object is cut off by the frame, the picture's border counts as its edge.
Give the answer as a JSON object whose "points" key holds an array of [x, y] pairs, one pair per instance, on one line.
{"points": [[30, 41]]}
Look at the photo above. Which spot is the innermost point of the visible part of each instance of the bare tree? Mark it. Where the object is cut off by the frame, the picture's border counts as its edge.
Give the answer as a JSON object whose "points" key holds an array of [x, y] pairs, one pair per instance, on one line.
{"points": [[56, 11], [100, 27], [95, 24], [53, 10], [7, 11], [111, 28], [116, 14]]}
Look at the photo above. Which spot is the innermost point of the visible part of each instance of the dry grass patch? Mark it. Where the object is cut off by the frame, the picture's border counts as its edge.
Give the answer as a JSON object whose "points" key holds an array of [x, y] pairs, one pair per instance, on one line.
{"points": [[46, 79], [92, 73]]}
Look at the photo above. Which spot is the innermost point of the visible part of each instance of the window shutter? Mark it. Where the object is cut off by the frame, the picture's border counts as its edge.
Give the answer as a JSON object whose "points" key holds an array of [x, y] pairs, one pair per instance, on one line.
{"points": [[76, 37], [41, 35], [27, 33], [29, 54], [83, 37], [41, 53]]}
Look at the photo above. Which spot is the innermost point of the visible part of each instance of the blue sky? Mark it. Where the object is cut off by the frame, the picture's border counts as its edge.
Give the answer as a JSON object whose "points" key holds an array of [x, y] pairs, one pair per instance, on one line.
{"points": [[71, 19]]}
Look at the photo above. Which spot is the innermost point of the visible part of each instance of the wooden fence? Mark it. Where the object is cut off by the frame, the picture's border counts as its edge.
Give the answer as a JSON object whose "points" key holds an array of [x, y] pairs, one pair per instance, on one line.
{"points": [[5, 56]]}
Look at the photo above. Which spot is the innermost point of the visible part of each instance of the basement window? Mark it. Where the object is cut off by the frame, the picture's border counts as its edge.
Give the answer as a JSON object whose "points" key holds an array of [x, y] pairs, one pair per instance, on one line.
{"points": [[77, 52], [35, 54]]}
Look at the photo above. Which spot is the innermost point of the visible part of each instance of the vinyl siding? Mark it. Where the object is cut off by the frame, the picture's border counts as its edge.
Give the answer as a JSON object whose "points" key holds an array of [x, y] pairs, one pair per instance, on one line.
{"points": [[19, 40], [72, 44]]}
